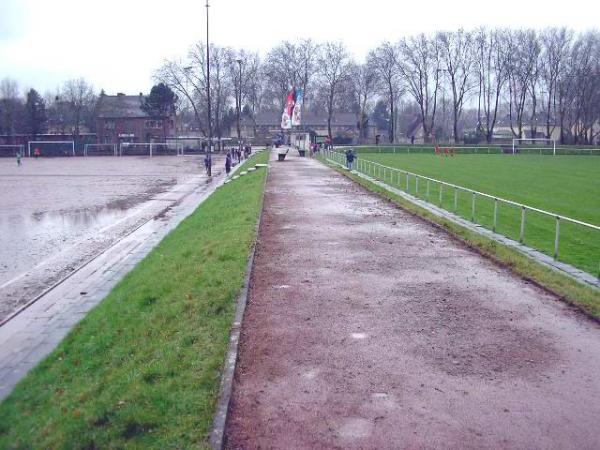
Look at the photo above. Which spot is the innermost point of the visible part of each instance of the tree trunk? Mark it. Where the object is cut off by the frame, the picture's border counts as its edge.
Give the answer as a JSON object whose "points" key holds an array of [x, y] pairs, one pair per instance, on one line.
{"points": [[392, 120], [455, 128]]}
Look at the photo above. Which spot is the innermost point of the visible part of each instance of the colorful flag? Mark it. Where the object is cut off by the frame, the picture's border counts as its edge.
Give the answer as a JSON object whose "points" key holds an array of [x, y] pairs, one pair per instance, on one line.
{"points": [[297, 112], [286, 118]]}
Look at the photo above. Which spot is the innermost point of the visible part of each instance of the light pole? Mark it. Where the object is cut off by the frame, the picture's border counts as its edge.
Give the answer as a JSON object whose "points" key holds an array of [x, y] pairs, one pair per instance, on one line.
{"points": [[208, 151], [239, 104]]}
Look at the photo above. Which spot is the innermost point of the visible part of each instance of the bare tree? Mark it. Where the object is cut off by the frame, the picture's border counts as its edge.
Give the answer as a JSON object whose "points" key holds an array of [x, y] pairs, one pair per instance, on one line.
{"points": [[245, 81], [253, 86], [491, 70], [385, 62], [307, 54], [457, 55], [185, 80], [334, 68], [555, 43], [280, 73], [363, 79], [220, 82], [521, 58], [80, 98], [11, 107], [420, 69], [584, 81]]}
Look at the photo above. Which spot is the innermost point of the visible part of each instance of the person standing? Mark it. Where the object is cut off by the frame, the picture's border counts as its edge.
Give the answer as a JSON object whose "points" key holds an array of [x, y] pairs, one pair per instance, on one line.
{"points": [[207, 163], [349, 159], [19, 157], [228, 163]]}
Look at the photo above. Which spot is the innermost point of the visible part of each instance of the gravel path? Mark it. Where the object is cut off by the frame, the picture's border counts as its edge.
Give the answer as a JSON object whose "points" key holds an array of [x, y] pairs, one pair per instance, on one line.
{"points": [[368, 328]]}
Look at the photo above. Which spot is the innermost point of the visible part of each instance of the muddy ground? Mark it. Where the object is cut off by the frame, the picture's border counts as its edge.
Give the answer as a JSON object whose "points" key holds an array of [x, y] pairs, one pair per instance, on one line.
{"points": [[367, 328], [57, 213]]}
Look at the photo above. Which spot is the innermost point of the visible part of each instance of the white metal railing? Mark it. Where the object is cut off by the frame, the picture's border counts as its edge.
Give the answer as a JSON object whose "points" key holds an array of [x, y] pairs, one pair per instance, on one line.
{"points": [[384, 173], [475, 149]]}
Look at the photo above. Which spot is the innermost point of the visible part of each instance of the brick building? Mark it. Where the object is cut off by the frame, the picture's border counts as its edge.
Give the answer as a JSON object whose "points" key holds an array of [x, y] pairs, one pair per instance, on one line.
{"points": [[120, 118]]}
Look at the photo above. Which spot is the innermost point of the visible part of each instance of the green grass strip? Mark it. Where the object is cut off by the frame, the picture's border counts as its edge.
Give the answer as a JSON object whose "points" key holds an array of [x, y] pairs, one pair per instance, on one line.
{"points": [[571, 291], [567, 185], [142, 370]]}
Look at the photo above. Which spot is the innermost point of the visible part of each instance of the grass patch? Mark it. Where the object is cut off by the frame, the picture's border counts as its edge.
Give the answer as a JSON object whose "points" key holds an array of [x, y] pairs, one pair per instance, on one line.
{"points": [[142, 370], [568, 289], [566, 185]]}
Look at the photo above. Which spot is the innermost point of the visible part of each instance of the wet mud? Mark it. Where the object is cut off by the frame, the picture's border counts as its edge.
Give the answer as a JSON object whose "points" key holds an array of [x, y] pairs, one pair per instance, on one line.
{"points": [[58, 213], [367, 328]]}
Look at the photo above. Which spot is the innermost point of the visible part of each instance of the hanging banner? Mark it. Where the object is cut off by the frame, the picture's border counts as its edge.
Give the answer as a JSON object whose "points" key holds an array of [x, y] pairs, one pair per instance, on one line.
{"points": [[297, 111], [286, 118]]}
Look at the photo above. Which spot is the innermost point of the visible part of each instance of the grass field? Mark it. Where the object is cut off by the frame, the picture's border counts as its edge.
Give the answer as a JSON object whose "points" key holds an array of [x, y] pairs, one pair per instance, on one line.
{"points": [[142, 370], [565, 185]]}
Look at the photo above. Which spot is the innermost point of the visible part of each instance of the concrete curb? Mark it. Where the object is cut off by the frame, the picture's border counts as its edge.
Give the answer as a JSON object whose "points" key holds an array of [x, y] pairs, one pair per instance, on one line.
{"points": [[217, 435], [572, 272]]}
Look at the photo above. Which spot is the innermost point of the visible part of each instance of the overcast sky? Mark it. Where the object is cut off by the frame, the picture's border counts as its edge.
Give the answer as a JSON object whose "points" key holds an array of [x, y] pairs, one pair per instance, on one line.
{"points": [[117, 44]]}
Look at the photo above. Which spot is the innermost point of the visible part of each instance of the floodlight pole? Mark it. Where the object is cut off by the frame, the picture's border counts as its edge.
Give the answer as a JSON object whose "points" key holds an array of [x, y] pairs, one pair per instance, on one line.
{"points": [[208, 151], [239, 105]]}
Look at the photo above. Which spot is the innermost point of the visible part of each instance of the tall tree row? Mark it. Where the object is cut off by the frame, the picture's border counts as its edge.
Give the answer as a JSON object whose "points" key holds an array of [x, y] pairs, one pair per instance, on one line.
{"points": [[531, 82], [441, 85]]}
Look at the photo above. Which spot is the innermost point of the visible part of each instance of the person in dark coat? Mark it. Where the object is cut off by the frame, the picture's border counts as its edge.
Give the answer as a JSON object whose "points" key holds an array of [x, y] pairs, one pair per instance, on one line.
{"points": [[228, 163]]}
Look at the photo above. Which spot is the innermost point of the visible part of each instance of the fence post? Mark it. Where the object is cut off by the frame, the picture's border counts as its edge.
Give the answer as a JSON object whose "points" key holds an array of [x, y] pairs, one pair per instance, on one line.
{"points": [[556, 238], [407, 185], [522, 235], [441, 193], [473, 208], [455, 199], [495, 214], [427, 195], [417, 185]]}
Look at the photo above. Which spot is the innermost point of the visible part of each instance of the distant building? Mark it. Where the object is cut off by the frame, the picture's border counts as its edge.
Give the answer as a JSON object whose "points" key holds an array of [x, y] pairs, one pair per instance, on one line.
{"points": [[267, 128], [120, 118]]}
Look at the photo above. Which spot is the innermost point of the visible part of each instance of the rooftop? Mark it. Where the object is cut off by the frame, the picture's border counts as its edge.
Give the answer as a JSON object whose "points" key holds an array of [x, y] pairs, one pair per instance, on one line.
{"points": [[121, 105]]}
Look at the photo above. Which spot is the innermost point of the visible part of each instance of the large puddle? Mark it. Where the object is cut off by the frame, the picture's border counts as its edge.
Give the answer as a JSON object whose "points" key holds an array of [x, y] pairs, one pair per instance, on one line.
{"points": [[28, 239], [58, 213]]}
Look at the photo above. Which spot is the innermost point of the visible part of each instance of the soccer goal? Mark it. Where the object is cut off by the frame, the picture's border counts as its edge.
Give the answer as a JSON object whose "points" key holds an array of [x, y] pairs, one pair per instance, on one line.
{"points": [[11, 150], [550, 144], [51, 148], [100, 150], [150, 149]]}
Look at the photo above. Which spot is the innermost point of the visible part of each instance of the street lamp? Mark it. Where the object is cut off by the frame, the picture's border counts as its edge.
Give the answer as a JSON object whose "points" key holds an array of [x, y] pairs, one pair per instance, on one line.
{"points": [[208, 151], [239, 105]]}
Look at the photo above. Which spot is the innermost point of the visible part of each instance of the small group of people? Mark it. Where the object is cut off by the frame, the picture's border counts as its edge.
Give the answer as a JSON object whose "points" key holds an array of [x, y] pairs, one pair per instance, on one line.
{"points": [[236, 153], [447, 151]]}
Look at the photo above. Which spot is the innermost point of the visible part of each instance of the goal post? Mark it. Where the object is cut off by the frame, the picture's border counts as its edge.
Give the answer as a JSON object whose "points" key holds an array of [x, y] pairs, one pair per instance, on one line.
{"points": [[52, 148], [12, 150], [515, 142], [150, 149], [100, 150]]}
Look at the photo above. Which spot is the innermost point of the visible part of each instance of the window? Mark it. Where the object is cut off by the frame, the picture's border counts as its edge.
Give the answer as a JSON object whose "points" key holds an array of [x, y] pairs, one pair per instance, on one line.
{"points": [[154, 124]]}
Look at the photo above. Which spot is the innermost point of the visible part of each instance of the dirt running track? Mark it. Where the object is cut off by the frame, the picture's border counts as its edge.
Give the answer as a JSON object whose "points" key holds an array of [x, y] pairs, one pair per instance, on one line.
{"points": [[367, 328]]}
